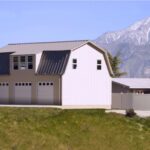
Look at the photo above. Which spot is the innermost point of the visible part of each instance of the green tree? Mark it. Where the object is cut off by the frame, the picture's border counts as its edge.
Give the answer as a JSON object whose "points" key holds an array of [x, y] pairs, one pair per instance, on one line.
{"points": [[115, 62]]}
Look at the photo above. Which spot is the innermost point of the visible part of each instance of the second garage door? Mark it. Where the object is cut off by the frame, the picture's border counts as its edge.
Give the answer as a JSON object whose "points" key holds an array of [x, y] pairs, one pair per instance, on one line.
{"points": [[23, 93], [45, 93]]}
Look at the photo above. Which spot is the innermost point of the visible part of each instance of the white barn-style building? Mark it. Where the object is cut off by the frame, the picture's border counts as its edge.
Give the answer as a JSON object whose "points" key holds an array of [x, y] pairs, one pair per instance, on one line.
{"points": [[67, 73]]}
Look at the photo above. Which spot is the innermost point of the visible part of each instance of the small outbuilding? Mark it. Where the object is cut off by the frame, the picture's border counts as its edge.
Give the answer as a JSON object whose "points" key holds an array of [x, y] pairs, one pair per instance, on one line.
{"points": [[136, 85]]}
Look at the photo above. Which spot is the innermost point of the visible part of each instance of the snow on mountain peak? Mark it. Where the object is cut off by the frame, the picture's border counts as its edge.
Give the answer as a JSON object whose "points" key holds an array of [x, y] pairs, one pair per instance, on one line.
{"points": [[132, 45], [138, 33], [139, 24]]}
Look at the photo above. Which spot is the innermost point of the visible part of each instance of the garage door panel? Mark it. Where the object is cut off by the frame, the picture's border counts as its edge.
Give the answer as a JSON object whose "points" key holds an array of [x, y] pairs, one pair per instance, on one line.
{"points": [[45, 93], [23, 93], [4, 93]]}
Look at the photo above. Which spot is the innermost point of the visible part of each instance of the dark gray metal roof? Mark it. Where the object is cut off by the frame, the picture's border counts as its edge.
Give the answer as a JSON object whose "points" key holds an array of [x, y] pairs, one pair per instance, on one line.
{"points": [[4, 63], [53, 62]]}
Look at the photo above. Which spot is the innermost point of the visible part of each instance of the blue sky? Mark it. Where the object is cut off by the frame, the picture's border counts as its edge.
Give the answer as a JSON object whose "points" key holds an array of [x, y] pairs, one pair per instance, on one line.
{"points": [[66, 20]]}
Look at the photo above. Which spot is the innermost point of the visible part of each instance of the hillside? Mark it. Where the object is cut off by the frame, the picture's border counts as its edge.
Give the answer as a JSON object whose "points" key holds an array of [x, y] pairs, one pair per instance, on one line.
{"points": [[132, 45], [56, 129]]}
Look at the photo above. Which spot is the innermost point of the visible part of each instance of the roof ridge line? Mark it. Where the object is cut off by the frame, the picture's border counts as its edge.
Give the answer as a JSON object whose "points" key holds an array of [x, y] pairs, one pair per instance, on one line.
{"points": [[47, 42]]}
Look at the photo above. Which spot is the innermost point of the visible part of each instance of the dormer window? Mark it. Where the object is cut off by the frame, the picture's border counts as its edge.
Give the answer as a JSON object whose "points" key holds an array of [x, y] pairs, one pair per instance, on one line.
{"points": [[15, 61], [22, 62], [22, 59], [30, 62]]}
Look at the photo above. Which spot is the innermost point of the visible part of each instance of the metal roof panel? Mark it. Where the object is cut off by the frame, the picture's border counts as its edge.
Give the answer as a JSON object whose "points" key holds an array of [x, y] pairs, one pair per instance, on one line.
{"points": [[53, 62]]}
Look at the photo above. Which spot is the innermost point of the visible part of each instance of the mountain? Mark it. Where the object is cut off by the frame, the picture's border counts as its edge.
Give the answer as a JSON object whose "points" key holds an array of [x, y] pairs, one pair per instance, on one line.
{"points": [[132, 45]]}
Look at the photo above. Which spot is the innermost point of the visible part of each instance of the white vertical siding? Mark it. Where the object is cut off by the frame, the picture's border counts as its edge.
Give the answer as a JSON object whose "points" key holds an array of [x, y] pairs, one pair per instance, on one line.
{"points": [[37, 60], [86, 85]]}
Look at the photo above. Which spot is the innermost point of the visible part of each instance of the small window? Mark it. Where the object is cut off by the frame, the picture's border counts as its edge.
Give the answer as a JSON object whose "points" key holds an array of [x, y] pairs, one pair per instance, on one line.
{"points": [[3, 84], [99, 67], [23, 84], [43, 83], [26, 84], [74, 66], [16, 84], [30, 62], [30, 84], [74, 60], [22, 59], [0, 84], [7, 84], [30, 66], [30, 59], [15, 59], [98, 61], [22, 63], [15, 66], [40, 83], [47, 83], [52, 84], [19, 84]]}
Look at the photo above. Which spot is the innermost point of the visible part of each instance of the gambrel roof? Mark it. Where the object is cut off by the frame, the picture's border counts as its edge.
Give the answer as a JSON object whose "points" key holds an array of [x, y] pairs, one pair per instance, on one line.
{"points": [[48, 49]]}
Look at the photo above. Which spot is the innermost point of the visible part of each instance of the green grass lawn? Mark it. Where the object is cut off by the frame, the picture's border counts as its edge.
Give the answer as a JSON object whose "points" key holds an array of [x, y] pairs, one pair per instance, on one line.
{"points": [[55, 129]]}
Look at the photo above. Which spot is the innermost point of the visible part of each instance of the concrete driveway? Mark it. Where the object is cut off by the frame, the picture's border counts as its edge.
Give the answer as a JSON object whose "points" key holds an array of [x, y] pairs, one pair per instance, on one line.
{"points": [[140, 113]]}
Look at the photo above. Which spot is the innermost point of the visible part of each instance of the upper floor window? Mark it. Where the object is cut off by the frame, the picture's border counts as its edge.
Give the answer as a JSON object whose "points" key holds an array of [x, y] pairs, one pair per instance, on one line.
{"points": [[22, 62], [74, 65], [22, 58], [30, 62], [99, 67], [15, 62]]}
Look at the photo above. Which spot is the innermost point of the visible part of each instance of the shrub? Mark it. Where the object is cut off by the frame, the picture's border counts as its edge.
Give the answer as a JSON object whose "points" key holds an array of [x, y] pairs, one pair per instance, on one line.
{"points": [[130, 113]]}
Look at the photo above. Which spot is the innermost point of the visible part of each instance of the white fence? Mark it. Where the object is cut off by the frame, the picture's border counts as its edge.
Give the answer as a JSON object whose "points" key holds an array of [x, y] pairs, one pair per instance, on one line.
{"points": [[130, 100]]}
